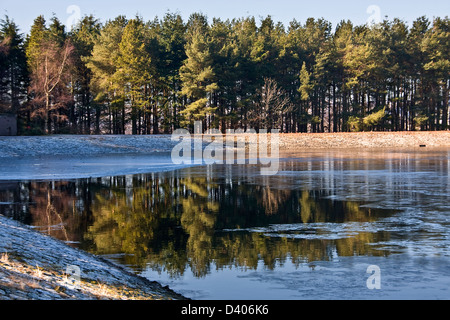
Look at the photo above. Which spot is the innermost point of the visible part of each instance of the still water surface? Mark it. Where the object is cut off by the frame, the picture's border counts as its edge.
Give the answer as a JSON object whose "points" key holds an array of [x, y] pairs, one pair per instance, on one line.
{"points": [[226, 232]]}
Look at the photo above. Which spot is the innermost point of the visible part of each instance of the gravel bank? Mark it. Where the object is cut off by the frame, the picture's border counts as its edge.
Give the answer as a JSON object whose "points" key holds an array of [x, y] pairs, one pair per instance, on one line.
{"points": [[298, 142], [33, 267]]}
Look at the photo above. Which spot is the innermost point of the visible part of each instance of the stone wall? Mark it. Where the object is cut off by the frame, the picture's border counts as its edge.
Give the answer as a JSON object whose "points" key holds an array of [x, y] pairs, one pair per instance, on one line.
{"points": [[363, 140]]}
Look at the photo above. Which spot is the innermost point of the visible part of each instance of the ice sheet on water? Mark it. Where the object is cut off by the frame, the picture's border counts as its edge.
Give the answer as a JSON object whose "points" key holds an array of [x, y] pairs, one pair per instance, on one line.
{"points": [[75, 157], [82, 145], [324, 231]]}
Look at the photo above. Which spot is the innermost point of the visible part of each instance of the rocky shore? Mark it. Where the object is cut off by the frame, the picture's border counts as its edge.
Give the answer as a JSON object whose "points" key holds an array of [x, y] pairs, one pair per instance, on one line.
{"points": [[34, 266], [299, 142]]}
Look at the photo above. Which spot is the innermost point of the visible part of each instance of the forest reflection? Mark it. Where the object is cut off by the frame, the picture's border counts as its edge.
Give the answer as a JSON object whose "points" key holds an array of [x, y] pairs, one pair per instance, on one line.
{"points": [[178, 220]]}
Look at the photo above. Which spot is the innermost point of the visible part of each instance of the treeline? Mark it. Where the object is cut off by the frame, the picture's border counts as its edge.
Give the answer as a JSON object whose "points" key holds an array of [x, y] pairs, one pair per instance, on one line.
{"points": [[133, 76]]}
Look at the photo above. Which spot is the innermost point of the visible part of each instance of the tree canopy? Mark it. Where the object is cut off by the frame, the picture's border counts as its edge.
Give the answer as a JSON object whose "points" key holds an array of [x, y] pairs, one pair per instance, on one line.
{"points": [[150, 77]]}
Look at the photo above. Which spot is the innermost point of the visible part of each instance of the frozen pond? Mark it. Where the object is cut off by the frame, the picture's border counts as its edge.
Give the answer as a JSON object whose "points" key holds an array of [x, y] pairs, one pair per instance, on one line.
{"points": [[73, 157], [226, 232]]}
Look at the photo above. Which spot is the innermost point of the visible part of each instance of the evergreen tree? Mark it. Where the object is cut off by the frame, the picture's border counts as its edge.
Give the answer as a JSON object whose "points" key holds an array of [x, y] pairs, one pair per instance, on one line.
{"points": [[417, 34], [83, 37], [305, 89], [246, 71], [172, 41], [436, 46], [197, 76], [106, 85], [137, 69], [225, 65], [13, 68], [34, 42]]}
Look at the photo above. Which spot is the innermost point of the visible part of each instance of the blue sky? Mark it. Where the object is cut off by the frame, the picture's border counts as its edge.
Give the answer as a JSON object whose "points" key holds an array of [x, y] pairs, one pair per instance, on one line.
{"points": [[24, 12]]}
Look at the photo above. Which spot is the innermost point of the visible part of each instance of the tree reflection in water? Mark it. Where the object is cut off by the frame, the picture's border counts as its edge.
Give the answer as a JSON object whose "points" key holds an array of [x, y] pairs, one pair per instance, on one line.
{"points": [[179, 220]]}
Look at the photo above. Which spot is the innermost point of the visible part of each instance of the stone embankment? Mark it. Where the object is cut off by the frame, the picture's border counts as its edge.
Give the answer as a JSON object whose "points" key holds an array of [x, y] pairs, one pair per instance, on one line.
{"points": [[34, 266], [297, 142]]}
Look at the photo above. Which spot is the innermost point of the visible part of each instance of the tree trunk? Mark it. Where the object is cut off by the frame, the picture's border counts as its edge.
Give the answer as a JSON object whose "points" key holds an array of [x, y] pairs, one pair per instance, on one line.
{"points": [[47, 114]]}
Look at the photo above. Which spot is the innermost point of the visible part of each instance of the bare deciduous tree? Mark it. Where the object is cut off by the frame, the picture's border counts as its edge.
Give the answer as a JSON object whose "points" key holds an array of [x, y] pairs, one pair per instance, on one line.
{"points": [[272, 101], [50, 81]]}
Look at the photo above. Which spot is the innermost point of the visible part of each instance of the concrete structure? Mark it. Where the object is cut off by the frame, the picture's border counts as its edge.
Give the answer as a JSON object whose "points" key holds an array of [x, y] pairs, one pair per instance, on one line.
{"points": [[8, 125]]}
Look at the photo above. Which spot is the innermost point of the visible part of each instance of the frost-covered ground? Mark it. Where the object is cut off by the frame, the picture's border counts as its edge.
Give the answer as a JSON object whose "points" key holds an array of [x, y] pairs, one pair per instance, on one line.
{"points": [[68, 145], [33, 267], [71, 157]]}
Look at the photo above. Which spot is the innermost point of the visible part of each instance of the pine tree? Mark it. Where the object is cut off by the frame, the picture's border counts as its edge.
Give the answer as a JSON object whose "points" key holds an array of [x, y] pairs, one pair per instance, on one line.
{"points": [[172, 41], [106, 84], [246, 71], [13, 67], [197, 76], [137, 69], [56, 32], [83, 37], [305, 90], [418, 116], [436, 46], [225, 64], [34, 42]]}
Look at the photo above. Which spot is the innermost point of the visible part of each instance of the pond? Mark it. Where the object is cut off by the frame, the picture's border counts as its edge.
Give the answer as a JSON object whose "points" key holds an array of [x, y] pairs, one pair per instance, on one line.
{"points": [[225, 232]]}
